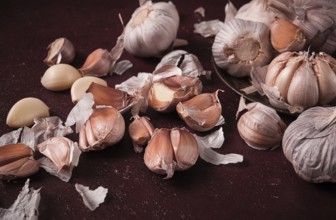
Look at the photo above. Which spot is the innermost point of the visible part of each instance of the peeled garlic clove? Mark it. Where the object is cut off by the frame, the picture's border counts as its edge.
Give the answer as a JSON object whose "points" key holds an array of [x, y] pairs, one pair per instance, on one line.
{"points": [[201, 112], [25, 110], [59, 77], [241, 44], [159, 154], [105, 127], [286, 36], [164, 94], [261, 127], [98, 63], [152, 29], [140, 131], [81, 85], [185, 148], [60, 51]]}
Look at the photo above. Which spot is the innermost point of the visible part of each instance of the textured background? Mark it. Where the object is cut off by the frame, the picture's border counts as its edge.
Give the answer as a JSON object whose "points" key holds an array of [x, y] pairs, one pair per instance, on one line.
{"points": [[264, 186]]}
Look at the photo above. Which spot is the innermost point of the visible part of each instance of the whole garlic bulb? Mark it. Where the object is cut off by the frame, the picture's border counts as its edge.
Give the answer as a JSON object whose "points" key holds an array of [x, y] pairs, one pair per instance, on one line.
{"points": [[302, 79], [309, 144], [261, 127], [152, 29], [241, 44]]}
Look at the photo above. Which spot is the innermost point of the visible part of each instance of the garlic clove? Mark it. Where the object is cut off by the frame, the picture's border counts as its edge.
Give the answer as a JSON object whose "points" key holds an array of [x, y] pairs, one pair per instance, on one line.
{"points": [[185, 148], [159, 154], [23, 167], [164, 94], [201, 112], [59, 77], [140, 131], [98, 63], [105, 127], [60, 51], [25, 110], [81, 85]]}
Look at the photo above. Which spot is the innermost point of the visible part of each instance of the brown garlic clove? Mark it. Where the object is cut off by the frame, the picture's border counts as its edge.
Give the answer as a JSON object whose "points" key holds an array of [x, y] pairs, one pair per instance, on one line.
{"points": [[60, 51], [16, 161], [105, 127], [202, 112], [98, 63], [140, 131], [286, 36], [165, 93]]}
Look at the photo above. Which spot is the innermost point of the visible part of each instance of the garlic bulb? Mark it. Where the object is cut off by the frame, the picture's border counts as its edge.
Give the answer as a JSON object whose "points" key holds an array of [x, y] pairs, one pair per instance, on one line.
{"points": [[164, 94], [316, 18], [170, 150], [105, 127], [260, 127], [309, 144], [241, 44], [202, 112], [60, 51], [151, 29], [140, 131], [302, 79]]}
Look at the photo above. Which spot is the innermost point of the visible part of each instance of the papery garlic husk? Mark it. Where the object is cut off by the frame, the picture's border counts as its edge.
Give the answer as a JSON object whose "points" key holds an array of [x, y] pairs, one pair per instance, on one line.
{"points": [[98, 63], [152, 29], [202, 112], [170, 150], [105, 127], [17, 161], [62, 151], [165, 93], [108, 96], [261, 127], [316, 18], [60, 51], [241, 44], [303, 79], [140, 131], [309, 144], [286, 36]]}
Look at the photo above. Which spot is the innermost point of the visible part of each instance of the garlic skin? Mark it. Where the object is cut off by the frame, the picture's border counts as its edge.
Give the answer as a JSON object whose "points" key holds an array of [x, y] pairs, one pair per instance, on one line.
{"points": [[255, 10], [202, 112], [60, 51], [261, 127], [140, 131], [164, 94], [241, 44], [170, 150], [303, 79], [105, 127], [309, 144], [152, 29]]}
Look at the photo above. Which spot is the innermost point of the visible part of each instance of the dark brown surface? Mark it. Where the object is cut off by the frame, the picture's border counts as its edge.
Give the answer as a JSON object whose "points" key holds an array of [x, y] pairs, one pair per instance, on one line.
{"points": [[264, 186]]}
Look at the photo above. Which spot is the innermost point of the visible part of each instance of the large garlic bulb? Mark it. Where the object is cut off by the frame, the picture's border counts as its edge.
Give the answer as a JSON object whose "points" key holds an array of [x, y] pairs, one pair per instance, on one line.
{"points": [[303, 79], [309, 144], [241, 44], [152, 29], [316, 18]]}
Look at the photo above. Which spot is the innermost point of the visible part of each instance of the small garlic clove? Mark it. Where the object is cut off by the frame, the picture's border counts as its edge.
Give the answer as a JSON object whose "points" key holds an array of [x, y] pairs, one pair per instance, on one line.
{"points": [[159, 154], [60, 51], [164, 94], [201, 112], [13, 152], [80, 86], [59, 77], [140, 131], [185, 148], [25, 110], [23, 167], [105, 127], [98, 63]]}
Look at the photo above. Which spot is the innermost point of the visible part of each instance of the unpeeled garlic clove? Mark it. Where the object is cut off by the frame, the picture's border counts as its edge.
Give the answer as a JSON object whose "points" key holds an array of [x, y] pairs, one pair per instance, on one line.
{"points": [[98, 63], [16, 161], [25, 110], [202, 112], [140, 131], [81, 85], [105, 127], [60, 51], [165, 93]]}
